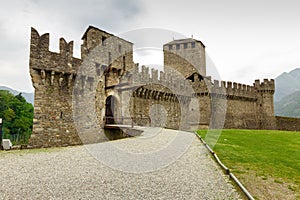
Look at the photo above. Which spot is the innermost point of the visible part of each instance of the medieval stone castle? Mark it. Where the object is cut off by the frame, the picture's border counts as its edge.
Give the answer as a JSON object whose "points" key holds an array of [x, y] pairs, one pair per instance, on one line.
{"points": [[75, 99]]}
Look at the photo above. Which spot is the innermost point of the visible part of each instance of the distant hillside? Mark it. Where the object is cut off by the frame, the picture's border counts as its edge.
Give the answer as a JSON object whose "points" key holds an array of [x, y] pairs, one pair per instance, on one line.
{"points": [[28, 96], [289, 106], [286, 84]]}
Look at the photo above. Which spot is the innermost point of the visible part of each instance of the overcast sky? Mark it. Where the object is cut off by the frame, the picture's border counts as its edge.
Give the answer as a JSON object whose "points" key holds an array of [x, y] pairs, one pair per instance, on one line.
{"points": [[246, 40]]}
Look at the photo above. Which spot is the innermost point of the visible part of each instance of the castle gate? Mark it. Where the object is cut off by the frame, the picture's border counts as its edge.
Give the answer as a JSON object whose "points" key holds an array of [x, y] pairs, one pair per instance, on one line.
{"points": [[110, 110]]}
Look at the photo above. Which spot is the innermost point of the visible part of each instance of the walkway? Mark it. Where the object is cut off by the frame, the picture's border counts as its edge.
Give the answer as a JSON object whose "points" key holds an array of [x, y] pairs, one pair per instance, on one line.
{"points": [[159, 164]]}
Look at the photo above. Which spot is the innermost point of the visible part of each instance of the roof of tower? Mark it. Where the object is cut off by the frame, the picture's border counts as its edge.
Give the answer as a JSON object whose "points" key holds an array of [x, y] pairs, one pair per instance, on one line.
{"points": [[92, 27], [95, 28], [187, 40]]}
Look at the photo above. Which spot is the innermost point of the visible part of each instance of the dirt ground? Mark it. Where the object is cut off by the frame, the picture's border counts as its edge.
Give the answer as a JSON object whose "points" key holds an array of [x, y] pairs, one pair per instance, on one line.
{"points": [[267, 187]]}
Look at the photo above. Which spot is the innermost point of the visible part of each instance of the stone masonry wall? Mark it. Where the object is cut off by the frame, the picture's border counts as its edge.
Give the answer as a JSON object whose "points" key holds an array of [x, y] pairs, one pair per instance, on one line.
{"points": [[242, 106], [52, 77], [288, 123]]}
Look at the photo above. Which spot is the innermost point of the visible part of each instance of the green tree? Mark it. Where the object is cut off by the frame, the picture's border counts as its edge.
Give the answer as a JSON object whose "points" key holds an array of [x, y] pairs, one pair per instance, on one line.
{"points": [[9, 114], [17, 116]]}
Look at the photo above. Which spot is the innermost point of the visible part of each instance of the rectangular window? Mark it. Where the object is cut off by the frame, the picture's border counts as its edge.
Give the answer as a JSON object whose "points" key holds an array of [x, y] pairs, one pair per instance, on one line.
{"points": [[193, 44], [185, 45], [120, 48], [170, 47], [177, 46]]}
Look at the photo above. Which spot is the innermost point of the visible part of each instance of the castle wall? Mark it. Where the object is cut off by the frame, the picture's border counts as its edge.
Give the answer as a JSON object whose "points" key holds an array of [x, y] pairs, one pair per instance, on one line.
{"points": [[241, 106], [288, 123], [53, 120], [241, 114], [157, 112], [157, 101]]}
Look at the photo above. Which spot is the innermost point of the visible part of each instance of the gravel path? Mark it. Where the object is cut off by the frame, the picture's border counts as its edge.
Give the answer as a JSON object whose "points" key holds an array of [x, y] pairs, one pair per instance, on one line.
{"points": [[117, 170]]}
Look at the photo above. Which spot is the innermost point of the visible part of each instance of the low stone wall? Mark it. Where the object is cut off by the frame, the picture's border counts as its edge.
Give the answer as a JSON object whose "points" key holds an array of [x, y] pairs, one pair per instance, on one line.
{"points": [[288, 123]]}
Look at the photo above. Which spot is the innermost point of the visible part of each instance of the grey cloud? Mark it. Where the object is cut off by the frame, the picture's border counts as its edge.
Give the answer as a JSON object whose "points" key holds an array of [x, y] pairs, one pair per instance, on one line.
{"points": [[127, 8], [151, 37], [65, 18], [78, 14]]}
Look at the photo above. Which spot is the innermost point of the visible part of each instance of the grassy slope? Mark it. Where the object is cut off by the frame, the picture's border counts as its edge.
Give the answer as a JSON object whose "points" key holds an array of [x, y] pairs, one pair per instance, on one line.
{"points": [[273, 154]]}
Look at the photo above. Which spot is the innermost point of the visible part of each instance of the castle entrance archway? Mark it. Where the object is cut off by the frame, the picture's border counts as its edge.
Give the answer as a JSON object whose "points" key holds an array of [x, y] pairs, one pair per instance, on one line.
{"points": [[110, 110]]}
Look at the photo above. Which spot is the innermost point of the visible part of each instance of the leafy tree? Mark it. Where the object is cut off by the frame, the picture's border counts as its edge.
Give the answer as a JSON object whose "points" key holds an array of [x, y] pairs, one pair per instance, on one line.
{"points": [[17, 116], [9, 114]]}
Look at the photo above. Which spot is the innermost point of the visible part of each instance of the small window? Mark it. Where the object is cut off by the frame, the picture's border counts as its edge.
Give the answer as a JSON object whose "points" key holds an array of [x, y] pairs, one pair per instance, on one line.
{"points": [[185, 45], [120, 48], [177, 46], [109, 58], [170, 47], [124, 63], [98, 69], [103, 41], [193, 44], [119, 72]]}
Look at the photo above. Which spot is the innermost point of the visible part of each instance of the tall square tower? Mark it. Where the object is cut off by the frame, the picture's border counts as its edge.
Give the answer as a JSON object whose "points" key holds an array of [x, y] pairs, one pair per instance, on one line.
{"points": [[186, 56]]}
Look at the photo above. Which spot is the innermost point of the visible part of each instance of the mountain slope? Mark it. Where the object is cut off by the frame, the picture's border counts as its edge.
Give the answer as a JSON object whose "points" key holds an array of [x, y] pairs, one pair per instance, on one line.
{"points": [[28, 96], [286, 84], [289, 106]]}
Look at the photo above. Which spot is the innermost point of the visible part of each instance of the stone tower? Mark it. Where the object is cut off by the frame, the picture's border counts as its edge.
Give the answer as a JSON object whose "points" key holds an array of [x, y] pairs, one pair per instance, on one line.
{"points": [[58, 78], [265, 103], [52, 77], [186, 56]]}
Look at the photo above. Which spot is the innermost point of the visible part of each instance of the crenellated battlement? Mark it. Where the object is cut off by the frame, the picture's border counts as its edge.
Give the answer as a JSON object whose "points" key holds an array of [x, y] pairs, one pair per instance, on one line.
{"points": [[149, 76], [222, 88], [267, 86], [240, 90], [66, 48], [39, 42], [203, 87], [41, 58]]}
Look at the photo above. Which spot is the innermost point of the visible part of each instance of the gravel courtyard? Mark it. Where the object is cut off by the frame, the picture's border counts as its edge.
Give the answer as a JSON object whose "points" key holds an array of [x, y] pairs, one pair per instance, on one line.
{"points": [[80, 173]]}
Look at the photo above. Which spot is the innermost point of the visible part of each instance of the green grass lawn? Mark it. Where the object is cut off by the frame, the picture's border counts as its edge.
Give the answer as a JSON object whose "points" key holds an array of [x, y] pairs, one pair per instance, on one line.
{"points": [[271, 154]]}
